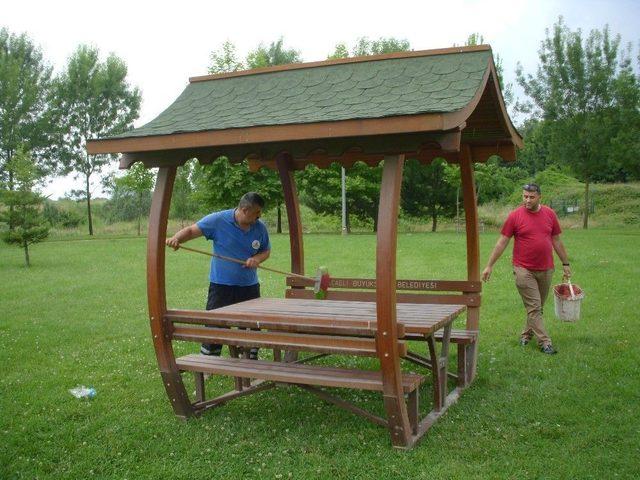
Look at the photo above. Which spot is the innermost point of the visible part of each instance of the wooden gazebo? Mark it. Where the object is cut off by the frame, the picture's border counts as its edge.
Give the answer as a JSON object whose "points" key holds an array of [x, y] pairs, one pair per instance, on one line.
{"points": [[425, 104]]}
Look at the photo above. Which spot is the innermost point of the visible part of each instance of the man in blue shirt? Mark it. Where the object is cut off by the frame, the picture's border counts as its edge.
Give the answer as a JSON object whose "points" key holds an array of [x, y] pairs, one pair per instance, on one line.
{"points": [[236, 233]]}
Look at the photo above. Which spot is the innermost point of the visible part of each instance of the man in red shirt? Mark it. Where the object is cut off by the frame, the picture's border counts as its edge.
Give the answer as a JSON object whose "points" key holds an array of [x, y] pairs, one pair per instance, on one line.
{"points": [[537, 233]]}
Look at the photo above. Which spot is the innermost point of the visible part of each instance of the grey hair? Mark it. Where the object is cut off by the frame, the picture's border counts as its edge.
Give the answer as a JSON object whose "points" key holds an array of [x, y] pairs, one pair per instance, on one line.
{"points": [[251, 200]]}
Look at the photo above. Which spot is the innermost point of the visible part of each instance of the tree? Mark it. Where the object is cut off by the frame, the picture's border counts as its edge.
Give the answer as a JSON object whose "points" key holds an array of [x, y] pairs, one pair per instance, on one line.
{"points": [[95, 101], [139, 182], [427, 191], [574, 89], [25, 117], [320, 190], [183, 206], [383, 45], [273, 55], [225, 59], [23, 214], [625, 143], [221, 184]]}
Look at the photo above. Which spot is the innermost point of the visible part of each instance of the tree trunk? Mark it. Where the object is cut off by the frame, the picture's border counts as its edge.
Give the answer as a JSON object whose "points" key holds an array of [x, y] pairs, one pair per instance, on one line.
{"points": [[585, 213], [434, 221], [25, 245], [375, 224], [348, 223], [279, 227], [88, 192], [11, 207], [139, 212]]}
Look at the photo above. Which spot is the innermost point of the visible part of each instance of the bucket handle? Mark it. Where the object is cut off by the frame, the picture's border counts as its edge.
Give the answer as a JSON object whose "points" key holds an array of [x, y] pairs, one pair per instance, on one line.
{"points": [[573, 295]]}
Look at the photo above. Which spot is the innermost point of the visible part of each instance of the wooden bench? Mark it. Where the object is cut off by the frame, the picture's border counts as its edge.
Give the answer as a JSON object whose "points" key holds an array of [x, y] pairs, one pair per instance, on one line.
{"points": [[466, 341], [301, 374]]}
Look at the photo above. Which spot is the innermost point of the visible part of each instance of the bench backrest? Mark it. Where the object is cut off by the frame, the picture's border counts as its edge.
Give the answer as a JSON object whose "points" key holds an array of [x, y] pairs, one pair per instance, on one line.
{"points": [[363, 289]]}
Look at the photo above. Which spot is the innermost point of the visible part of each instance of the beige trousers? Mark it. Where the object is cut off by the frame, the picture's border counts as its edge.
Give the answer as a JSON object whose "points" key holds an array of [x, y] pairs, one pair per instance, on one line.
{"points": [[534, 288]]}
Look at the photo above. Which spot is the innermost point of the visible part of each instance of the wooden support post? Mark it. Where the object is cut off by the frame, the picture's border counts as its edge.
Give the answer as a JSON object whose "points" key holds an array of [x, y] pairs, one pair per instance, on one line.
{"points": [[198, 378], [387, 334], [156, 293], [290, 193], [473, 249]]}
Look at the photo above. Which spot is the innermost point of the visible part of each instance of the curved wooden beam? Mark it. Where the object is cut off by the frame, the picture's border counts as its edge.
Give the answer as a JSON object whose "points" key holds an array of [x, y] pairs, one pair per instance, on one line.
{"points": [[387, 334], [473, 245], [156, 293]]}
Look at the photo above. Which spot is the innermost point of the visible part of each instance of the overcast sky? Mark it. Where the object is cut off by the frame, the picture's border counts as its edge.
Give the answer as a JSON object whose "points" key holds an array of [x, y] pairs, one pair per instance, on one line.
{"points": [[165, 42]]}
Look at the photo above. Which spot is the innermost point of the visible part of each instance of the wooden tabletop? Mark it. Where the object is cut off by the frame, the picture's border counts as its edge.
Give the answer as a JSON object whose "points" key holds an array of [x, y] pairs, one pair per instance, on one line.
{"points": [[416, 318]]}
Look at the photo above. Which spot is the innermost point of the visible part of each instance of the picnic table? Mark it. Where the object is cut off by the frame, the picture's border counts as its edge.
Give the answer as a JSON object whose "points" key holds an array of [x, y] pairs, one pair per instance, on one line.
{"points": [[323, 326]]}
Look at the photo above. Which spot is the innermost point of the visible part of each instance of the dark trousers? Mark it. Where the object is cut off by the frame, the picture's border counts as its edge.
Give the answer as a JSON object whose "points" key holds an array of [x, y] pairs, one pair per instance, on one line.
{"points": [[222, 295]]}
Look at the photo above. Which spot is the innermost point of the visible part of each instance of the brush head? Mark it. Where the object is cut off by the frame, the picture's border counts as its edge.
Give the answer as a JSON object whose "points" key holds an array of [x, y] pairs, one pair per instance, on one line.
{"points": [[322, 283]]}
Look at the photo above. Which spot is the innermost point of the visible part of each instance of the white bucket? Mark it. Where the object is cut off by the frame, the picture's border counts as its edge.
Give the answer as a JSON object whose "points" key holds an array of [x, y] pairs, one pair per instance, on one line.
{"points": [[567, 307]]}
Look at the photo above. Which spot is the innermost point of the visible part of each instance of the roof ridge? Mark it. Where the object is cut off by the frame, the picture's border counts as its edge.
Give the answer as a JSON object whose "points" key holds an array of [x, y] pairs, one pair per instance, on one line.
{"points": [[340, 61]]}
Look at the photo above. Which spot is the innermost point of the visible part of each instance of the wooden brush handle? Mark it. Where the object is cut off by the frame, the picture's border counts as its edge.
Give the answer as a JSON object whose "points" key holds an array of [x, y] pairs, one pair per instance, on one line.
{"points": [[242, 262]]}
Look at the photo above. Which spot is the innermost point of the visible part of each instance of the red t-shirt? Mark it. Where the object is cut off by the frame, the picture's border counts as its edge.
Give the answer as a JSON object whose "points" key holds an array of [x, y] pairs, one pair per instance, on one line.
{"points": [[532, 248]]}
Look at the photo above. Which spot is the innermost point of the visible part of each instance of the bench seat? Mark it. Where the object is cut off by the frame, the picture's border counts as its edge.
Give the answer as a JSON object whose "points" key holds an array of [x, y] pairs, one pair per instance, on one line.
{"points": [[463, 337], [296, 373]]}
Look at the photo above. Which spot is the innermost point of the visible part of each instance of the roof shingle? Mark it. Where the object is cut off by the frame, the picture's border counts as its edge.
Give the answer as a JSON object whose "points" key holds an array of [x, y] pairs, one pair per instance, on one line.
{"points": [[359, 90]]}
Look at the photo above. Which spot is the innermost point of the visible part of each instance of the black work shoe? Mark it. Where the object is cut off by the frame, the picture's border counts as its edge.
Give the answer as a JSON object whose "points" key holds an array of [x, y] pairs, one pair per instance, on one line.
{"points": [[208, 349], [253, 354], [548, 349], [524, 342]]}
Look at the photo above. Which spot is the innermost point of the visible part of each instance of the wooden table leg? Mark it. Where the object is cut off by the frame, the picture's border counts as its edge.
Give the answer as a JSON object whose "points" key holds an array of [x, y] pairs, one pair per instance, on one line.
{"points": [[198, 378], [234, 352], [413, 410], [439, 367]]}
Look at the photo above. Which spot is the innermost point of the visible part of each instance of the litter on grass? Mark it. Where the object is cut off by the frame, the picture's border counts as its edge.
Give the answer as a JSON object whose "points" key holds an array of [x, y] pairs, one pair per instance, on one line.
{"points": [[83, 392]]}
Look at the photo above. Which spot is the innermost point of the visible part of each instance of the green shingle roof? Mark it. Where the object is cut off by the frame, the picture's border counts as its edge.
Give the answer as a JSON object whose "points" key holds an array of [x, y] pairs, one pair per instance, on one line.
{"points": [[360, 90]]}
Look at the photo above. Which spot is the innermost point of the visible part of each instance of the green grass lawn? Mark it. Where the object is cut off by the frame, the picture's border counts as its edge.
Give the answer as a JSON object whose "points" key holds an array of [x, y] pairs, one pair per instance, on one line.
{"points": [[79, 316]]}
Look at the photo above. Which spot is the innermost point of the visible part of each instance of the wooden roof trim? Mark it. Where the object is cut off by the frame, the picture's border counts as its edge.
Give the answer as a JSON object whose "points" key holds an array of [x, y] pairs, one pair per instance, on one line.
{"points": [[340, 61], [504, 118], [275, 133]]}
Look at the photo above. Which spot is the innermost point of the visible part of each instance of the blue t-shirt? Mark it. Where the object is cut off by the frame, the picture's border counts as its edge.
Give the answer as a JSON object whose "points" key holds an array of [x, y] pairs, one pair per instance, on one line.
{"points": [[232, 241]]}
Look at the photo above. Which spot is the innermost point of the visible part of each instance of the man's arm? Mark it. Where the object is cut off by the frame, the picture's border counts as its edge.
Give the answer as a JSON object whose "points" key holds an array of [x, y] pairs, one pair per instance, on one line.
{"points": [[501, 244], [257, 259], [184, 235], [558, 246]]}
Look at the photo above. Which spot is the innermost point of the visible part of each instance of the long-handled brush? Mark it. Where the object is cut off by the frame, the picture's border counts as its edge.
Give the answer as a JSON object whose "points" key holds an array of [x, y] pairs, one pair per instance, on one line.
{"points": [[320, 282]]}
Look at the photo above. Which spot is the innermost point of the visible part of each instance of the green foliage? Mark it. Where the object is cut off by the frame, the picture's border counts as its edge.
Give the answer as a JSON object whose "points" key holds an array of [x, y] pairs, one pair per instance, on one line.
{"points": [[364, 46], [274, 54], [61, 217], [493, 181], [320, 190], [341, 51], [94, 101], [25, 222], [130, 194], [183, 204], [220, 184], [25, 116], [428, 191], [582, 88], [225, 59]]}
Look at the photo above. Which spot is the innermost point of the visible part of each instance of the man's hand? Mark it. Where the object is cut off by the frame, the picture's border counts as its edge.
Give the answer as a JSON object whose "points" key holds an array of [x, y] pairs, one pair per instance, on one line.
{"points": [[566, 271], [251, 262], [173, 242], [486, 274], [184, 235]]}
